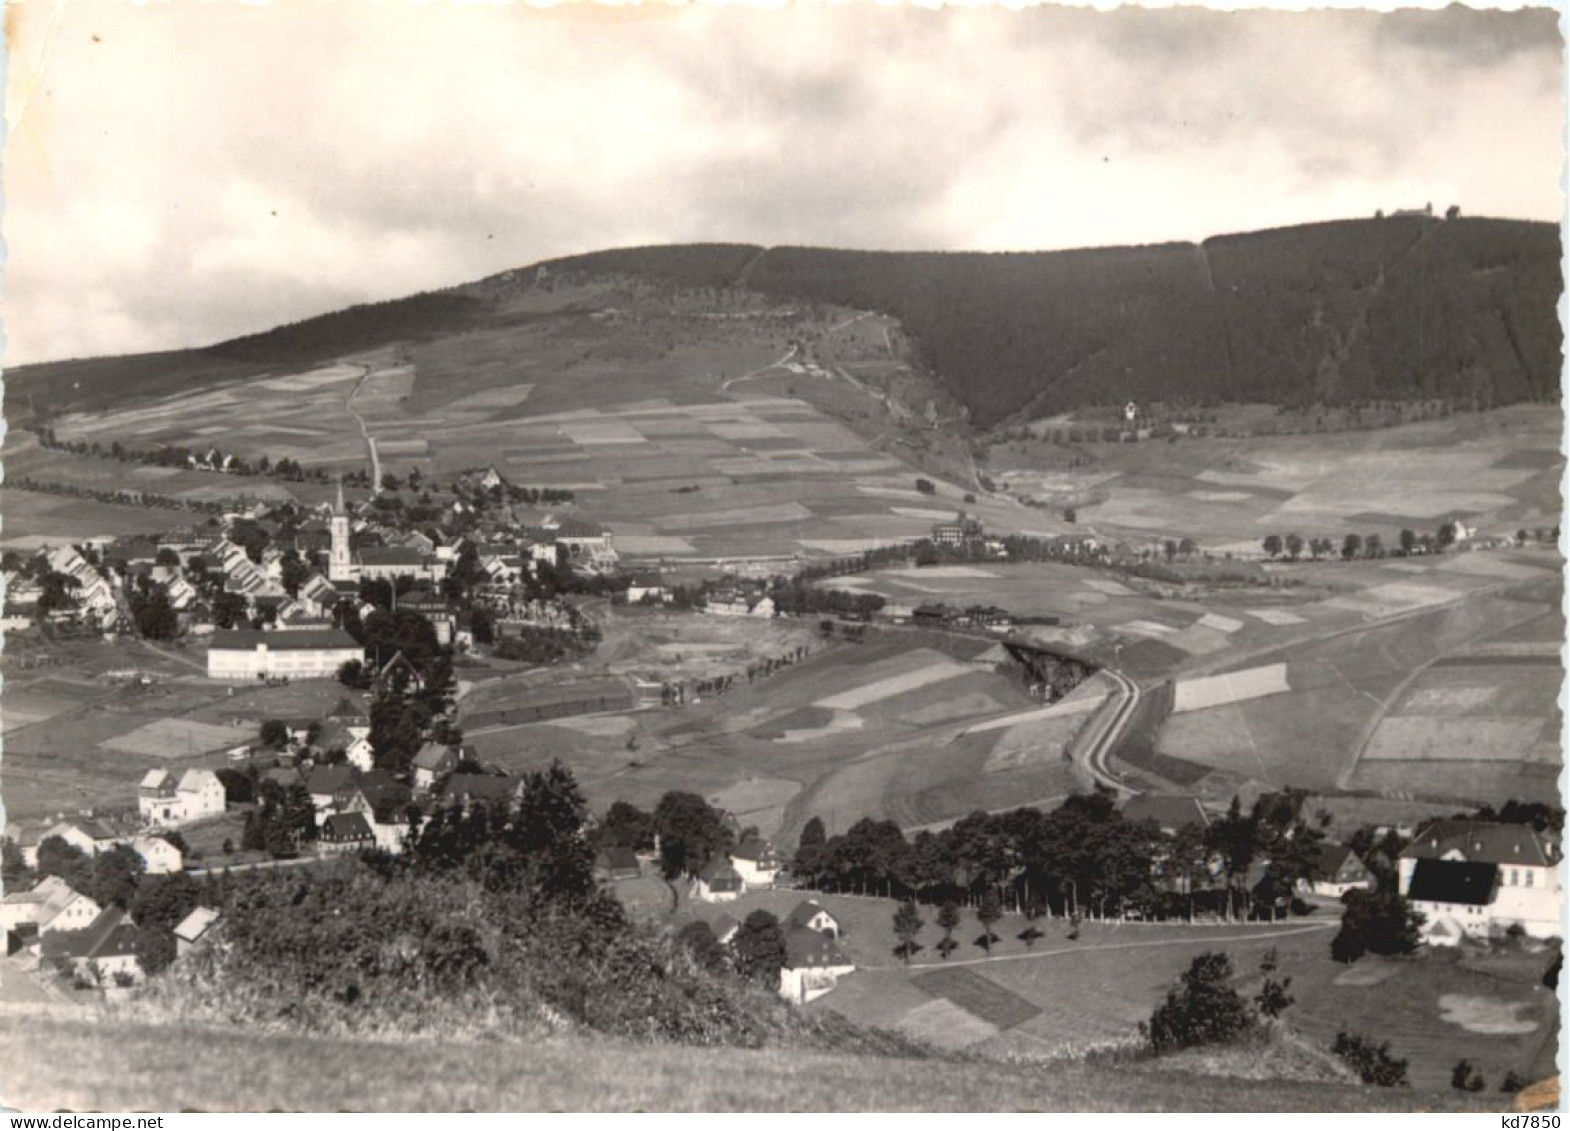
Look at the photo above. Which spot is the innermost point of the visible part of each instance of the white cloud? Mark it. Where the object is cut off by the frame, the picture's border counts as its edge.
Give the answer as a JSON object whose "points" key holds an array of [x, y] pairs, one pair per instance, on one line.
{"points": [[184, 172]]}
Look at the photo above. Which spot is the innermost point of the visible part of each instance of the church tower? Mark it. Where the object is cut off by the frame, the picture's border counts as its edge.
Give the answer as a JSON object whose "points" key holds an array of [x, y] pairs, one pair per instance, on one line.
{"points": [[340, 566]]}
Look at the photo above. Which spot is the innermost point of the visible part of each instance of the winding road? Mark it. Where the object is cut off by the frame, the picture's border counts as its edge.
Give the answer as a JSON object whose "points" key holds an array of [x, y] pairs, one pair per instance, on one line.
{"points": [[1096, 755]]}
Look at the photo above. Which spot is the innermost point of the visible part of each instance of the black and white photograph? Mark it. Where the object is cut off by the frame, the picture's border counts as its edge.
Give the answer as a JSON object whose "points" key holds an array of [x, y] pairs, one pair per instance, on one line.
{"points": [[812, 557]]}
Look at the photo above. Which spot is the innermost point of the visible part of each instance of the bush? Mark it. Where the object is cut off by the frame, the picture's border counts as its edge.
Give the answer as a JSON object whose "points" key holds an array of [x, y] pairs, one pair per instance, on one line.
{"points": [[1465, 1078], [1373, 1063], [1203, 1010]]}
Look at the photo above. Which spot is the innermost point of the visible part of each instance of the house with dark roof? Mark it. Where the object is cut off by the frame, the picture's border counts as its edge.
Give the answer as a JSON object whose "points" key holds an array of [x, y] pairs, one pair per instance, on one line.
{"points": [[481, 789], [104, 952], [618, 863], [814, 964], [813, 916], [345, 832], [1337, 871], [433, 762], [1526, 891], [756, 862], [717, 882], [331, 788]]}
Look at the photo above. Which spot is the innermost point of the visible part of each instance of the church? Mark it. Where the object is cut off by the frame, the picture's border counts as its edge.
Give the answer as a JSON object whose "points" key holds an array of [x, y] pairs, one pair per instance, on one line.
{"points": [[373, 563]]}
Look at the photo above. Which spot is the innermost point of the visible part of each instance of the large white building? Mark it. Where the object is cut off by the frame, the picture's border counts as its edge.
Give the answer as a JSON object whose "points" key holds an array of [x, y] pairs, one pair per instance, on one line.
{"points": [[1478, 879], [246, 654]]}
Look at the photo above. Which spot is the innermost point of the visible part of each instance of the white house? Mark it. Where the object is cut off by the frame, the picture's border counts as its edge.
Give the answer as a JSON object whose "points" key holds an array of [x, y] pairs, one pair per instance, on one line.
{"points": [[81, 833], [814, 964], [159, 857], [50, 905], [718, 882], [1478, 879], [756, 862], [166, 801]]}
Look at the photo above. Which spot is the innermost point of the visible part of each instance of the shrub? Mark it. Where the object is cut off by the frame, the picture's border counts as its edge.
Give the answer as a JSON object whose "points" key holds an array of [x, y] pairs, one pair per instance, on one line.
{"points": [[1203, 1010], [1465, 1078], [1373, 1063]]}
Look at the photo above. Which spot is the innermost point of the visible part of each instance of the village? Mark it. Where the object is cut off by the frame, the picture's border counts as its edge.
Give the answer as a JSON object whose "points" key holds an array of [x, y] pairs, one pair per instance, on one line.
{"points": [[378, 604]]}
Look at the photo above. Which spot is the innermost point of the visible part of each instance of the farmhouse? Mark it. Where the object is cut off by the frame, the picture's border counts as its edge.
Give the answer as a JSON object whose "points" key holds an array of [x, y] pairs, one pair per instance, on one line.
{"points": [[814, 964], [718, 882], [1479, 879], [345, 832], [103, 951], [164, 800], [1338, 871], [82, 833], [432, 763], [811, 915], [50, 905], [159, 857], [618, 863], [756, 862], [247, 655]]}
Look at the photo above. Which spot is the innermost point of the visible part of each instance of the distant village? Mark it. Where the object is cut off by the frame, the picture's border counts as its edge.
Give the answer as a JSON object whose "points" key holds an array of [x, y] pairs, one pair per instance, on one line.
{"points": [[379, 596]]}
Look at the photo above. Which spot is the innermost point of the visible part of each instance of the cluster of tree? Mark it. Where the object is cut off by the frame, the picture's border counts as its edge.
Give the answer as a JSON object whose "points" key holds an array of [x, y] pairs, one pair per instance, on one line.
{"points": [[143, 499], [1206, 1009], [673, 693], [533, 644], [756, 952], [151, 612], [1373, 1062], [282, 823], [1292, 546], [173, 455], [799, 597], [1081, 856]]}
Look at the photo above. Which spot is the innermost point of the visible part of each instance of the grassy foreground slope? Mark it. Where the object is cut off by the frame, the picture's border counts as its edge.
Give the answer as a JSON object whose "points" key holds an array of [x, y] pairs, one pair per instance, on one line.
{"points": [[153, 1068]]}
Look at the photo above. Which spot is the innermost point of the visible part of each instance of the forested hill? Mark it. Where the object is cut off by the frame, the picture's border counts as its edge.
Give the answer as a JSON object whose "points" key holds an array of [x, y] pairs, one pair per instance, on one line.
{"points": [[1348, 311], [1324, 313]]}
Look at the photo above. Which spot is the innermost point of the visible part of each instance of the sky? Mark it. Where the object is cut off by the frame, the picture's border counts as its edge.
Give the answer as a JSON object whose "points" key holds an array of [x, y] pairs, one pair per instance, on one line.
{"points": [[179, 173]]}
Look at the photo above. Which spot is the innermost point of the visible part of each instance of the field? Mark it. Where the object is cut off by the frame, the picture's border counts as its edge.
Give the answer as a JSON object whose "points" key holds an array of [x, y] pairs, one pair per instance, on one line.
{"points": [[920, 728], [1499, 471], [151, 1068], [1284, 686], [75, 739], [1063, 996], [631, 397]]}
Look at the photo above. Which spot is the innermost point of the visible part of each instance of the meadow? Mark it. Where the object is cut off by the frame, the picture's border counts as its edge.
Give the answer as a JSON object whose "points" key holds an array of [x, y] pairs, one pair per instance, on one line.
{"points": [[1497, 470], [1062, 996], [162, 1068]]}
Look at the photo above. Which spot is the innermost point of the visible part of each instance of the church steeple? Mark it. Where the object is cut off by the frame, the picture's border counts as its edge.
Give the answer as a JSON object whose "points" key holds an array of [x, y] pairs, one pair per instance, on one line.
{"points": [[340, 562]]}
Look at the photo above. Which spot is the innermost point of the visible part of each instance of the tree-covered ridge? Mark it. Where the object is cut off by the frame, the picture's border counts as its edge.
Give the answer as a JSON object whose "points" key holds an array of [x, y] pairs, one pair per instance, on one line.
{"points": [[1323, 313]]}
